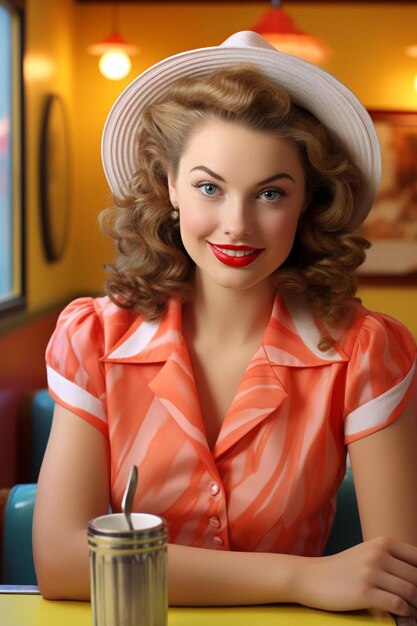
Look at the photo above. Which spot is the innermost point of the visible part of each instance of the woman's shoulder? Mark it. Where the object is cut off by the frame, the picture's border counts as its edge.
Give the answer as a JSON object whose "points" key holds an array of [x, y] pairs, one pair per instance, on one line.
{"points": [[364, 332], [358, 330], [104, 310], [96, 319], [380, 377], [378, 347]]}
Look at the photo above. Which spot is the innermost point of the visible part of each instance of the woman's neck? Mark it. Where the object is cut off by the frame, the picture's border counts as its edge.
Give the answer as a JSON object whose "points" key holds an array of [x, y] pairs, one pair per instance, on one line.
{"points": [[227, 316]]}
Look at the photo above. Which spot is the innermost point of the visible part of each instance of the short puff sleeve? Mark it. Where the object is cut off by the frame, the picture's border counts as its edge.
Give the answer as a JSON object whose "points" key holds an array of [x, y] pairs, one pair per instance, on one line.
{"points": [[75, 374], [380, 374]]}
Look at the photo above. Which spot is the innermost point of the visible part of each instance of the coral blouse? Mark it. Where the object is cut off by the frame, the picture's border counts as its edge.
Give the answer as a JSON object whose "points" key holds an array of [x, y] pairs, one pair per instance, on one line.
{"points": [[270, 482]]}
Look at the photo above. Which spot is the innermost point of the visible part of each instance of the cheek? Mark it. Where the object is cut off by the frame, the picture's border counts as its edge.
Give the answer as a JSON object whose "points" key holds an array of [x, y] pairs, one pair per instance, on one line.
{"points": [[196, 222], [283, 228]]}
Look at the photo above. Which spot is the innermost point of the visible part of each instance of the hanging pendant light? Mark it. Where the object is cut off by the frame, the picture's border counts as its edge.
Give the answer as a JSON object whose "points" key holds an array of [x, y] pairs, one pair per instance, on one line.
{"points": [[114, 52], [277, 27]]}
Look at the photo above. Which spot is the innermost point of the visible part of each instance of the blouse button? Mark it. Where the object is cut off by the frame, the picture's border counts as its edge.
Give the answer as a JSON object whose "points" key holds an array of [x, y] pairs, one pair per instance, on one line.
{"points": [[214, 521], [214, 488], [217, 540]]}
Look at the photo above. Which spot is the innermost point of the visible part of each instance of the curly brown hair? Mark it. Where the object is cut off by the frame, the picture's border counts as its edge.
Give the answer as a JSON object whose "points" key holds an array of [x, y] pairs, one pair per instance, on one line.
{"points": [[152, 264]]}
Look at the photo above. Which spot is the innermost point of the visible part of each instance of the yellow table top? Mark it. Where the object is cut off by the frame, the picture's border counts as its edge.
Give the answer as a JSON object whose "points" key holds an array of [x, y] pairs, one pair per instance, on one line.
{"points": [[33, 610]]}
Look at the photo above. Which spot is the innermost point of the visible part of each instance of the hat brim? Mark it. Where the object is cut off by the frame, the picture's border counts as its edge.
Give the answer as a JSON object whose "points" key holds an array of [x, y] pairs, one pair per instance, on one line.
{"points": [[309, 86]]}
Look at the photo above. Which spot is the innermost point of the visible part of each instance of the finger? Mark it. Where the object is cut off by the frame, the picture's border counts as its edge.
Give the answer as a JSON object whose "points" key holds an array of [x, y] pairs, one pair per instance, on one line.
{"points": [[403, 551], [390, 602], [402, 570], [396, 586]]}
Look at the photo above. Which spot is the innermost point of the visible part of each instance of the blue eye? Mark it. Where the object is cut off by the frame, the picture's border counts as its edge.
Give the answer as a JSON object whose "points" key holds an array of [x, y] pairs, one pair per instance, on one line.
{"points": [[272, 195], [208, 189]]}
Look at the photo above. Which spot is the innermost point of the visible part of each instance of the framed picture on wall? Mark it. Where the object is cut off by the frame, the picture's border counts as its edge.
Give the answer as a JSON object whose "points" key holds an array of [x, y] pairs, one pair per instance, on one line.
{"points": [[392, 223]]}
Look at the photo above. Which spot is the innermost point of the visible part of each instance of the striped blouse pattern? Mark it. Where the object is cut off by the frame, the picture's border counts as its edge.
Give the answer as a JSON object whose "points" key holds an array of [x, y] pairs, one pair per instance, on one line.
{"points": [[270, 482]]}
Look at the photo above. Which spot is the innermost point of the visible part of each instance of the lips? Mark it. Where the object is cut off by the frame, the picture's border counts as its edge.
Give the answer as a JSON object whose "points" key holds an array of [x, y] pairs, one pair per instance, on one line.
{"points": [[235, 256]]}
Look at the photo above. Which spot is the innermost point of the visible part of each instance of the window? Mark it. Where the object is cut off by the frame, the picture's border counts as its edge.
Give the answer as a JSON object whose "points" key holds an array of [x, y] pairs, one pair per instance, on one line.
{"points": [[11, 158]]}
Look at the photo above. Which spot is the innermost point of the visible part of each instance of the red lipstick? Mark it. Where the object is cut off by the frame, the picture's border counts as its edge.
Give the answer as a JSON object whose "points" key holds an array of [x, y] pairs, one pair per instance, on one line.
{"points": [[251, 254]]}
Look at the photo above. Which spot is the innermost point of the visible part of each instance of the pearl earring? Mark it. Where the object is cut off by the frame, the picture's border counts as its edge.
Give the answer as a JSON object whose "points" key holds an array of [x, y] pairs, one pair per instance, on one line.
{"points": [[175, 213]]}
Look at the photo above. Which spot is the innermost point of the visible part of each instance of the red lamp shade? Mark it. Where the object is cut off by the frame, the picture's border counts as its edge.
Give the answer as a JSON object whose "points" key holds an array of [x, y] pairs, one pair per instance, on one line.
{"points": [[112, 42], [280, 30]]}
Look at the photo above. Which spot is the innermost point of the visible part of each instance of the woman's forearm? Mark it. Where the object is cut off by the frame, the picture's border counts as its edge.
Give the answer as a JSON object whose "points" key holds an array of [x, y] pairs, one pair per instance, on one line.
{"points": [[380, 573], [196, 576], [199, 576], [62, 568]]}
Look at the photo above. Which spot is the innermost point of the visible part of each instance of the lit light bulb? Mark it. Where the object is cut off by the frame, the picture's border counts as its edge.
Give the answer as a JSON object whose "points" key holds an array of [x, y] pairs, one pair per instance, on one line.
{"points": [[115, 64], [415, 83]]}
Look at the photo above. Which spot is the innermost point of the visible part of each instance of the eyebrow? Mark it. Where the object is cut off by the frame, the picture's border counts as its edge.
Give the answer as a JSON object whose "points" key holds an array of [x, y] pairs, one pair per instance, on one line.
{"points": [[208, 171], [262, 182]]}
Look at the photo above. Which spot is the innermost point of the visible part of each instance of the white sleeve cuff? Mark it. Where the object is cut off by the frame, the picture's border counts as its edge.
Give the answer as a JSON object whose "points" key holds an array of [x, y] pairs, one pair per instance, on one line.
{"points": [[75, 396], [377, 411]]}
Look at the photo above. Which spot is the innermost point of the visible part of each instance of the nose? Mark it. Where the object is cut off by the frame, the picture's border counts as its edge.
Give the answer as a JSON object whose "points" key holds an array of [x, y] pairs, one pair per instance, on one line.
{"points": [[237, 219]]}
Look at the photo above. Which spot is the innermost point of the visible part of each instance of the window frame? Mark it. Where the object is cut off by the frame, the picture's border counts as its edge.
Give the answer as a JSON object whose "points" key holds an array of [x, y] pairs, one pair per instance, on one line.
{"points": [[18, 302]]}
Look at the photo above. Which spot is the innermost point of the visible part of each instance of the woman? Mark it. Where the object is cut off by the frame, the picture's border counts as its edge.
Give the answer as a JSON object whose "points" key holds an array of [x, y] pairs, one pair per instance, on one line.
{"points": [[230, 360]]}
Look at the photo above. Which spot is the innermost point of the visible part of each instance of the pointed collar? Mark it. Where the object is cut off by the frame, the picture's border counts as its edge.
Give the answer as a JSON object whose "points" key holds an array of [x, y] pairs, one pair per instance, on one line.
{"points": [[290, 339], [149, 341], [292, 336]]}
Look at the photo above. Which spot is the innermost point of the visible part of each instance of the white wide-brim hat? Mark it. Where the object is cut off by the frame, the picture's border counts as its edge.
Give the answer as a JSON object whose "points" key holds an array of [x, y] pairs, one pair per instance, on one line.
{"points": [[309, 86]]}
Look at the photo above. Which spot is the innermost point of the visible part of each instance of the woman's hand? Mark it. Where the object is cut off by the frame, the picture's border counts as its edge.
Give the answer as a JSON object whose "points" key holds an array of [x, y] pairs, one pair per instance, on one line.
{"points": [[380, 573]]}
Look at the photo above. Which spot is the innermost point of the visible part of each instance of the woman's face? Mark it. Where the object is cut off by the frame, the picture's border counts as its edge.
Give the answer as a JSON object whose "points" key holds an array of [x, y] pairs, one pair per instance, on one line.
{"points": [[240, 194]]}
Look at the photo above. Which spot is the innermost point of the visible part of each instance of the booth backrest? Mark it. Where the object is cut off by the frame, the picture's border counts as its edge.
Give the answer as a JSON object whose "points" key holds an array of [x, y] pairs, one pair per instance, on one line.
{"points": [[42, 409], [23, 341], [16, 504]]}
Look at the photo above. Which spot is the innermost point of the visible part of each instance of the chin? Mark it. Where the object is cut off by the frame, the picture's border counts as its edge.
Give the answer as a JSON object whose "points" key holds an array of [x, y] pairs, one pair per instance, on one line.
{"points": [[238, 283]]}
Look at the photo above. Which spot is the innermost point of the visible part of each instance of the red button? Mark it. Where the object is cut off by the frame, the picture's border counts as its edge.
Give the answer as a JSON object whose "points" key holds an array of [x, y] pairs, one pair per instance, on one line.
{"points": [[214, 488], [214, 521], [217, 540]]}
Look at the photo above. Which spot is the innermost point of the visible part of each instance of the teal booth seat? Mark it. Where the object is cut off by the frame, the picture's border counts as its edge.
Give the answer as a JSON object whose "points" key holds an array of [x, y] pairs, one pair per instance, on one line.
{"points": [[18, 566], [346, 530], [42, 409]]}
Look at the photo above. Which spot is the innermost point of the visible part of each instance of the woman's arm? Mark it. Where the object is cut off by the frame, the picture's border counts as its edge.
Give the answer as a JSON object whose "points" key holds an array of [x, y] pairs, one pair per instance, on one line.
{"points": [[384, 467], [73, 487]]}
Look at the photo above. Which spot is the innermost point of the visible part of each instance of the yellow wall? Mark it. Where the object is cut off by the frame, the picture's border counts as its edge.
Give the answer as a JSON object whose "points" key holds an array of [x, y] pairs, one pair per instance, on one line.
{"points": [[49, 69], [367, 42]]}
